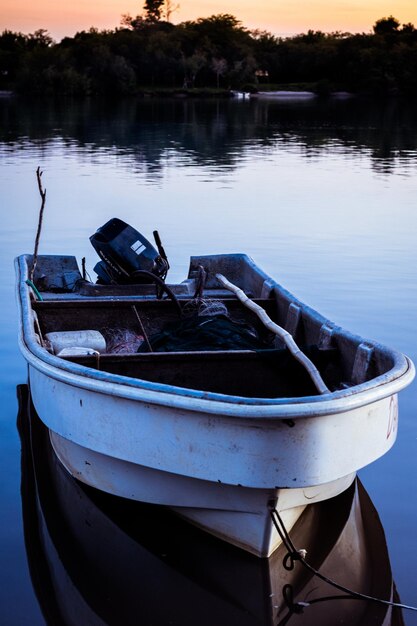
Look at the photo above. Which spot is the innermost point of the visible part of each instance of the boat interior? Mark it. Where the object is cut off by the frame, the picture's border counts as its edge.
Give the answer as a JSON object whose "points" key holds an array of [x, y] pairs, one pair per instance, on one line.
{"points": [[265, 371]]}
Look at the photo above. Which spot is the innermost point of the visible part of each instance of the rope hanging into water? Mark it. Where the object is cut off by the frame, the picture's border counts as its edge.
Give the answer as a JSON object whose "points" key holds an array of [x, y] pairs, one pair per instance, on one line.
{"points": [[294, 555], [279, 331]]}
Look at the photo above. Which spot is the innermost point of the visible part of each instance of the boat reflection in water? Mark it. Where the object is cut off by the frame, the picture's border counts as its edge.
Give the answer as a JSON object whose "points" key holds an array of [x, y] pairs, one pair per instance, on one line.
{"points": [[98, 559]]}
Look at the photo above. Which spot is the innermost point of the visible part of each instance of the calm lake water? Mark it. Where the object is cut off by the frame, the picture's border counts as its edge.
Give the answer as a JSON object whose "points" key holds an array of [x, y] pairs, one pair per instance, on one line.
{"points": [[322, 196]]}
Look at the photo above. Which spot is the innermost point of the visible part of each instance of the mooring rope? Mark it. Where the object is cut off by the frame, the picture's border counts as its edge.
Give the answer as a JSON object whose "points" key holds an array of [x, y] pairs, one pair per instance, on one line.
{"points": [[32, 285], [294, 555]]}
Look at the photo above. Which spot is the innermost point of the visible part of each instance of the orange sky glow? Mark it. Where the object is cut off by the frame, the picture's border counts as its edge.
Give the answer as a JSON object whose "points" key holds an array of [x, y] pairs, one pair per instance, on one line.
{"points": [[280, 17]]}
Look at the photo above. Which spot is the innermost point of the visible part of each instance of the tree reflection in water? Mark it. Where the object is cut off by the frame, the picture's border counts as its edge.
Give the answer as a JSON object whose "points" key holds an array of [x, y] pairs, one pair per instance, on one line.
{"points": [[214, 133]]}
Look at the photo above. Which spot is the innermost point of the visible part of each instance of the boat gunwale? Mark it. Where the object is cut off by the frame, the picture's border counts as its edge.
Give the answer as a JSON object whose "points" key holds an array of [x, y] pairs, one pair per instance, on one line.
{"points": [[182, 398]]}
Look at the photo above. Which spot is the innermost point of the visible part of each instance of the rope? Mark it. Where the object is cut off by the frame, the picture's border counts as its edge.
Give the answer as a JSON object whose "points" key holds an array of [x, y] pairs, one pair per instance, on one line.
{"points": [[298, 607], [294, 555], [36, 292], [159, 282]]}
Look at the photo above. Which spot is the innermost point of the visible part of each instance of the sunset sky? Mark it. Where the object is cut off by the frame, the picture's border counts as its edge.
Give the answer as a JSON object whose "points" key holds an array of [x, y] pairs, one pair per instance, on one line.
{"points": [[281, 17]]}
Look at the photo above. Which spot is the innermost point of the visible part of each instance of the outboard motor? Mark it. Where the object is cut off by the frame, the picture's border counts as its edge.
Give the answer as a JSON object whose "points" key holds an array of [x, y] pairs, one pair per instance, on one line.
{"points": [[125, 253]]}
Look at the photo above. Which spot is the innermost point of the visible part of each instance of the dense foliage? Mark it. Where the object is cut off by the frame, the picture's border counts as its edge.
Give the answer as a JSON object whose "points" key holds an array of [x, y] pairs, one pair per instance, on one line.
{"points": [[148, 53]]}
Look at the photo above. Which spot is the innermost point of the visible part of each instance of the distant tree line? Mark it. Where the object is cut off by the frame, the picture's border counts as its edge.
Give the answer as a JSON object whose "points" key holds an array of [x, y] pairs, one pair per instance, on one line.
{"points": [[149, 53]]}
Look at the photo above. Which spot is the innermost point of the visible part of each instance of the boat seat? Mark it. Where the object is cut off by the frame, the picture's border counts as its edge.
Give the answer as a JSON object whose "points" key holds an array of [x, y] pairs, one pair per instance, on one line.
{"points": [[263, 373]]}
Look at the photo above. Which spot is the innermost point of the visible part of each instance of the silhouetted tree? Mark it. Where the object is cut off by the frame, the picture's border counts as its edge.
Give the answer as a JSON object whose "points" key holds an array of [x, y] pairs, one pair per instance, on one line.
{"points": [[148, 50], [41, 37], [408, 28], [170, 8], [386, 26], [219, 67], [153, 10]]}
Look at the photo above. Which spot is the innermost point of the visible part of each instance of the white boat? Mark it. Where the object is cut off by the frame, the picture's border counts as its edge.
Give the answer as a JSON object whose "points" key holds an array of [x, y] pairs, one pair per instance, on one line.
{"points": [[220, 437]]}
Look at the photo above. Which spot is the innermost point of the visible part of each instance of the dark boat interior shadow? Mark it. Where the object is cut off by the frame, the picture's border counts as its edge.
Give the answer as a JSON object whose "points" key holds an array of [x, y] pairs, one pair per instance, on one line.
{"points": [[98, 559]]}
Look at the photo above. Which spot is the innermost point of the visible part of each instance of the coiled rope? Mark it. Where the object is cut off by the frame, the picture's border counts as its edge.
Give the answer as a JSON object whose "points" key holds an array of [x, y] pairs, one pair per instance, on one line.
{"points": [[294, 555]]}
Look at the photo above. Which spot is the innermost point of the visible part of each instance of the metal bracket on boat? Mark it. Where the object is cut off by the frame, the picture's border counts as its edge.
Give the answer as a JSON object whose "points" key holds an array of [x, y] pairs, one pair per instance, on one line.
{"points": [[267, 287], [362, 361], [293, 318], [325, 337]]}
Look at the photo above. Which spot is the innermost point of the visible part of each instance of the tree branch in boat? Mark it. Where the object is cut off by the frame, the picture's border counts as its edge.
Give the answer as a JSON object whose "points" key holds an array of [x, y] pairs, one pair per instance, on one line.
{"points": [[279, 331], [42, 192]]}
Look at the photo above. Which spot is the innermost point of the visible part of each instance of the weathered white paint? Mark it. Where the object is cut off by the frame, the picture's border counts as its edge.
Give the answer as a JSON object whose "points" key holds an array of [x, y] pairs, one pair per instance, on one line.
{"points": [[250, 452], [233, 512]]}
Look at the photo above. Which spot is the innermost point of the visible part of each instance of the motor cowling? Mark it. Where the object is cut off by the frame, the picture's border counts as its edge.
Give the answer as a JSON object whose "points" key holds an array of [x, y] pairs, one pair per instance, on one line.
{"points": [[124, 251]]}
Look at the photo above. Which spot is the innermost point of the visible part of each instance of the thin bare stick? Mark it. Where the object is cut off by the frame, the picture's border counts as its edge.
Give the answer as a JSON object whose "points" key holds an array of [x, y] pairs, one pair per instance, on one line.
{"points": [[38, 328], [42, 192], [148, 343], [277, 330]]}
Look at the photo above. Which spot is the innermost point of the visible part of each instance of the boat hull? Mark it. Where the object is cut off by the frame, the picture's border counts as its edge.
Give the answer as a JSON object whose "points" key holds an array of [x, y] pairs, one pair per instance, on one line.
{"points": [[173, 457]]}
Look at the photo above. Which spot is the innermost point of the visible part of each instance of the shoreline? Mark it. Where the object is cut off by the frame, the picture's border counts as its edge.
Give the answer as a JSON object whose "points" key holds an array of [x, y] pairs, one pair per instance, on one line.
{"points": [[281, 95]]}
